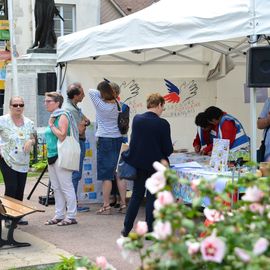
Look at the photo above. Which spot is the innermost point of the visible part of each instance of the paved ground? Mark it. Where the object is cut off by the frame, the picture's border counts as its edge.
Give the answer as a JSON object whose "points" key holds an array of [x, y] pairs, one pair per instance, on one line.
{"points": [[93, 236], [40, 252]]}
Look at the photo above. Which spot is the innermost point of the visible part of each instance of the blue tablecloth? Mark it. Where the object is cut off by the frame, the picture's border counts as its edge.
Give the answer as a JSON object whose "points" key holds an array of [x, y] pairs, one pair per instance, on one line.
{"points": [[185, 193]]}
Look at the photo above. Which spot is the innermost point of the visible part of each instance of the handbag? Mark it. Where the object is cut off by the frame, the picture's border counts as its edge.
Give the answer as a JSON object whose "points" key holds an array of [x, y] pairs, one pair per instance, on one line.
{"points": [[69, 152], [126, 171], [261, 150]]}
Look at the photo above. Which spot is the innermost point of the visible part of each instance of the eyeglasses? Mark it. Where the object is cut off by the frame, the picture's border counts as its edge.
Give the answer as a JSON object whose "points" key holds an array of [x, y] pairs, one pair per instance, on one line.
{"points": [[17, 105], [48, 101]]}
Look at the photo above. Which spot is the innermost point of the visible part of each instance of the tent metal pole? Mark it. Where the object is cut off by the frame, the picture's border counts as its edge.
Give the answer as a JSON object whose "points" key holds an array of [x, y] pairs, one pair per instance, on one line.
{"points": [[253, 118], [59, 76], [253, 41], [15, 90], [184, 56]]}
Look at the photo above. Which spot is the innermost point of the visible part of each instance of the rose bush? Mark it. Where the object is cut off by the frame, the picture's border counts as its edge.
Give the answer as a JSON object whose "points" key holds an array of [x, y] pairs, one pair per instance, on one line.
{"points": [[223, 236], [83, 263]]}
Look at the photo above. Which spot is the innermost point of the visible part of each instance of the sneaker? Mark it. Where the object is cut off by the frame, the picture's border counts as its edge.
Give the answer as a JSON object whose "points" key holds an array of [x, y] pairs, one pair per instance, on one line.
{"points": [[22, 221], [81, 209]]}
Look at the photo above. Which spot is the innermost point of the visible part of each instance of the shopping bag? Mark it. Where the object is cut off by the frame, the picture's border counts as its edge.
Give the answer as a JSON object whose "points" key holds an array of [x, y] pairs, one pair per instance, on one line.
{"points": [[69, 152]]}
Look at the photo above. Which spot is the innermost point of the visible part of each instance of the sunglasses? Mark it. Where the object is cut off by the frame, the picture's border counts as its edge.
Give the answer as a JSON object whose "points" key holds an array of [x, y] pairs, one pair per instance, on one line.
{"points": [[17, 105], [48, 101]]}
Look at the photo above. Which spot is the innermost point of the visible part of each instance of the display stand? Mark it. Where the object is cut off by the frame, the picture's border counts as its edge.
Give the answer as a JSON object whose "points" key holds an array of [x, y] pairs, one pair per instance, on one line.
{"points": [[45, 200]]}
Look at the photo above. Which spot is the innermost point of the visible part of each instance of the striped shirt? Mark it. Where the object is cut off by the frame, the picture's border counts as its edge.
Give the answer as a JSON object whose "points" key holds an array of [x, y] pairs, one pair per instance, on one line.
{"points": [[106, 116]]}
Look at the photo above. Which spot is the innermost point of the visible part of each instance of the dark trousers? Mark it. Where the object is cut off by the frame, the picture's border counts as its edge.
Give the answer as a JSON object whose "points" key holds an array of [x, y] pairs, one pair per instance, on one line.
{"points": [[136, 199], [14, 181], [77, 175]]}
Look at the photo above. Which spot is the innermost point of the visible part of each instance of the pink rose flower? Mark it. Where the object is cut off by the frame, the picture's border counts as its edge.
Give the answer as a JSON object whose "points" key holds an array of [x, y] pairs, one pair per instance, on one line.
{"points": [[159, 167], [163, 198], [213, 249], [253, 194], [162, 230], [260, 246], [193, 247], [101, 262], [213, 215], [242, 255], [156, 182], [194, 184], [141, 228], [256, 208]]}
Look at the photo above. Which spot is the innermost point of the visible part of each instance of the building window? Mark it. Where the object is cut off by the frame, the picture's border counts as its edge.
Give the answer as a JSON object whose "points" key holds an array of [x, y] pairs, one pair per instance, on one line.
{"points": [[68, 26]]}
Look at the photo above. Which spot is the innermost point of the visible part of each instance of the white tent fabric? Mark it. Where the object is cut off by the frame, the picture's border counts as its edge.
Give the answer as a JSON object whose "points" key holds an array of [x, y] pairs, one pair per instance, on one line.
{"points": [[169, 23]]}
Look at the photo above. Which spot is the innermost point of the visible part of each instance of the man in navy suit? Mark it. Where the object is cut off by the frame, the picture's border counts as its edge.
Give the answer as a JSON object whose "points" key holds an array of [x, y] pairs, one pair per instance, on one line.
{"points": [[150, 142]]}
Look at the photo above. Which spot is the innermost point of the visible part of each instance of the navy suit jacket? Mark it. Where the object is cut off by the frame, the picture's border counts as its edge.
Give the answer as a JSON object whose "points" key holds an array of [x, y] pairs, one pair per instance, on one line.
{"points": [[150, 141]]}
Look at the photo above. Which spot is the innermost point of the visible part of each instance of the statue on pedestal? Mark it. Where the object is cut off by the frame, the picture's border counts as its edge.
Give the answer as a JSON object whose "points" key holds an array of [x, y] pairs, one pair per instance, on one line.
{"points": [[44, 13]]}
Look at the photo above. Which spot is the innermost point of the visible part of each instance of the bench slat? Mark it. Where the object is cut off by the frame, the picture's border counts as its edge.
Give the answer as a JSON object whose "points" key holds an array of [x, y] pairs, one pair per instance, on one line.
{"points": [[16, 208], [7, 198], [13, 213]]}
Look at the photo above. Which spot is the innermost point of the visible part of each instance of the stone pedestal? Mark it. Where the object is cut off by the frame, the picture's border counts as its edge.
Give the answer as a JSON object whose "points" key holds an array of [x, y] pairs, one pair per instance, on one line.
{"points": [[28, 67]]}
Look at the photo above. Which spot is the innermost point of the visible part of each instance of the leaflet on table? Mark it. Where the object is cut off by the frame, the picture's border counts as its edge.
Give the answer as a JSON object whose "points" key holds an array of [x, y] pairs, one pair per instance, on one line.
{"points": [[192, 164], [178, 158]]}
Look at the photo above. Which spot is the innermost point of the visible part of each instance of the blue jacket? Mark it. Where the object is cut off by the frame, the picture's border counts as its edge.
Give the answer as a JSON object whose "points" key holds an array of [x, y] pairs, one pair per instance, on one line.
{"points": [[150, 141], [241, 139]]}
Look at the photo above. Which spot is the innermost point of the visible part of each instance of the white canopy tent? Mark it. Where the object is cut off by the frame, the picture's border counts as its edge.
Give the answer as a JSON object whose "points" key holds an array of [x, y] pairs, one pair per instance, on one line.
{"points": [[177, 23]]}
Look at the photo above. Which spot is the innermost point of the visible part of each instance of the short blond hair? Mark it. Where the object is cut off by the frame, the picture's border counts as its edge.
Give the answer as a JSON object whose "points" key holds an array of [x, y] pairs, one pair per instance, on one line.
{"points": [[56, 97], [154, 100], [15, 97]]}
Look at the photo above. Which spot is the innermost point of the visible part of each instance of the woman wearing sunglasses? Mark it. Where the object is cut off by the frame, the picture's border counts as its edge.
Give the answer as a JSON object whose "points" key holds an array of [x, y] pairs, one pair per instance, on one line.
{"points": [[17, 136]]}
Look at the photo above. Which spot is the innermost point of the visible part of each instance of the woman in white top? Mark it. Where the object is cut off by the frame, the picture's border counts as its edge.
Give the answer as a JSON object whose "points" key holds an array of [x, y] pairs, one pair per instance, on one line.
{"points": [[17, 138], [109, 139]]}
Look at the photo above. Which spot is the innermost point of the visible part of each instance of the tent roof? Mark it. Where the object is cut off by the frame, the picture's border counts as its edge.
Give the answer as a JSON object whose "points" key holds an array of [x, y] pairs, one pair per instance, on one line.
{"points": [[168, 23]]}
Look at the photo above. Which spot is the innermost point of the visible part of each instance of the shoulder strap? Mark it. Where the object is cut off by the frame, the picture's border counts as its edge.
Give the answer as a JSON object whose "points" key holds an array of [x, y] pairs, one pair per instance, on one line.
{"points": [[265, 133], [118, 105]]}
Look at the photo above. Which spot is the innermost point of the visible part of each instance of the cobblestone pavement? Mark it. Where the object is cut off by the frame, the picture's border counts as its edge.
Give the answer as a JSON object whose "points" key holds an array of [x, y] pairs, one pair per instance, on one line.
{"points": [[93, 236]]}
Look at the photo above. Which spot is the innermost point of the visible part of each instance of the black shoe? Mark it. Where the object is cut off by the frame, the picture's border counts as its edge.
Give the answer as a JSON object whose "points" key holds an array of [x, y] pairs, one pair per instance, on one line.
{"points": [[117, 205], [7, 224], [112, 204], [22, 222], [124, 233]]}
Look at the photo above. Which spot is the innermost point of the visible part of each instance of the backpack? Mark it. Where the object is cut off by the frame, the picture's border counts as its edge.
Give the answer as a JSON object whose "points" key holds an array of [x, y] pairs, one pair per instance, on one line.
{"points": [[123, 118]]}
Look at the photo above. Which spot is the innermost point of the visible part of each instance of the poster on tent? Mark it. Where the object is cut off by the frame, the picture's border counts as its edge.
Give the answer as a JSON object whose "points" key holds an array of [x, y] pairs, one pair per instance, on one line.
{"points": [[220, 154], [185, 98], [89, 189]]}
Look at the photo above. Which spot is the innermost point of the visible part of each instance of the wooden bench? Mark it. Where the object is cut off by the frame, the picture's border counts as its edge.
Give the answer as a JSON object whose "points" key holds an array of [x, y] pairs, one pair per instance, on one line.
{"points": [[13, 210]]}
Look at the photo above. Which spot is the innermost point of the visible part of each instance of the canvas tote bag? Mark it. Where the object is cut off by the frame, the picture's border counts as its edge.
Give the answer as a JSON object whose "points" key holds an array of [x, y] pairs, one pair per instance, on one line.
{"points": [[69, 152]]}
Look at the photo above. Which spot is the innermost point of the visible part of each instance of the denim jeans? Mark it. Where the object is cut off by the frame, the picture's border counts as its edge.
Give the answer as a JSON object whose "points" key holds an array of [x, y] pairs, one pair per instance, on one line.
{"points": [[77, 175], [136, 199]]}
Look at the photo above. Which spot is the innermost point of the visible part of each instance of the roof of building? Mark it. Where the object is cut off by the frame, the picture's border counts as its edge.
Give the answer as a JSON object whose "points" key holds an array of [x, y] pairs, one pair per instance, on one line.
{"points": [[114, 9], [131, 6]]}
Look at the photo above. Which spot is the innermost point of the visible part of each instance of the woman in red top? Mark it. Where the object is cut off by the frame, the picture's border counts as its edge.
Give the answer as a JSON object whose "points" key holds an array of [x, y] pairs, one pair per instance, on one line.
{"points": [[204, 136]]}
